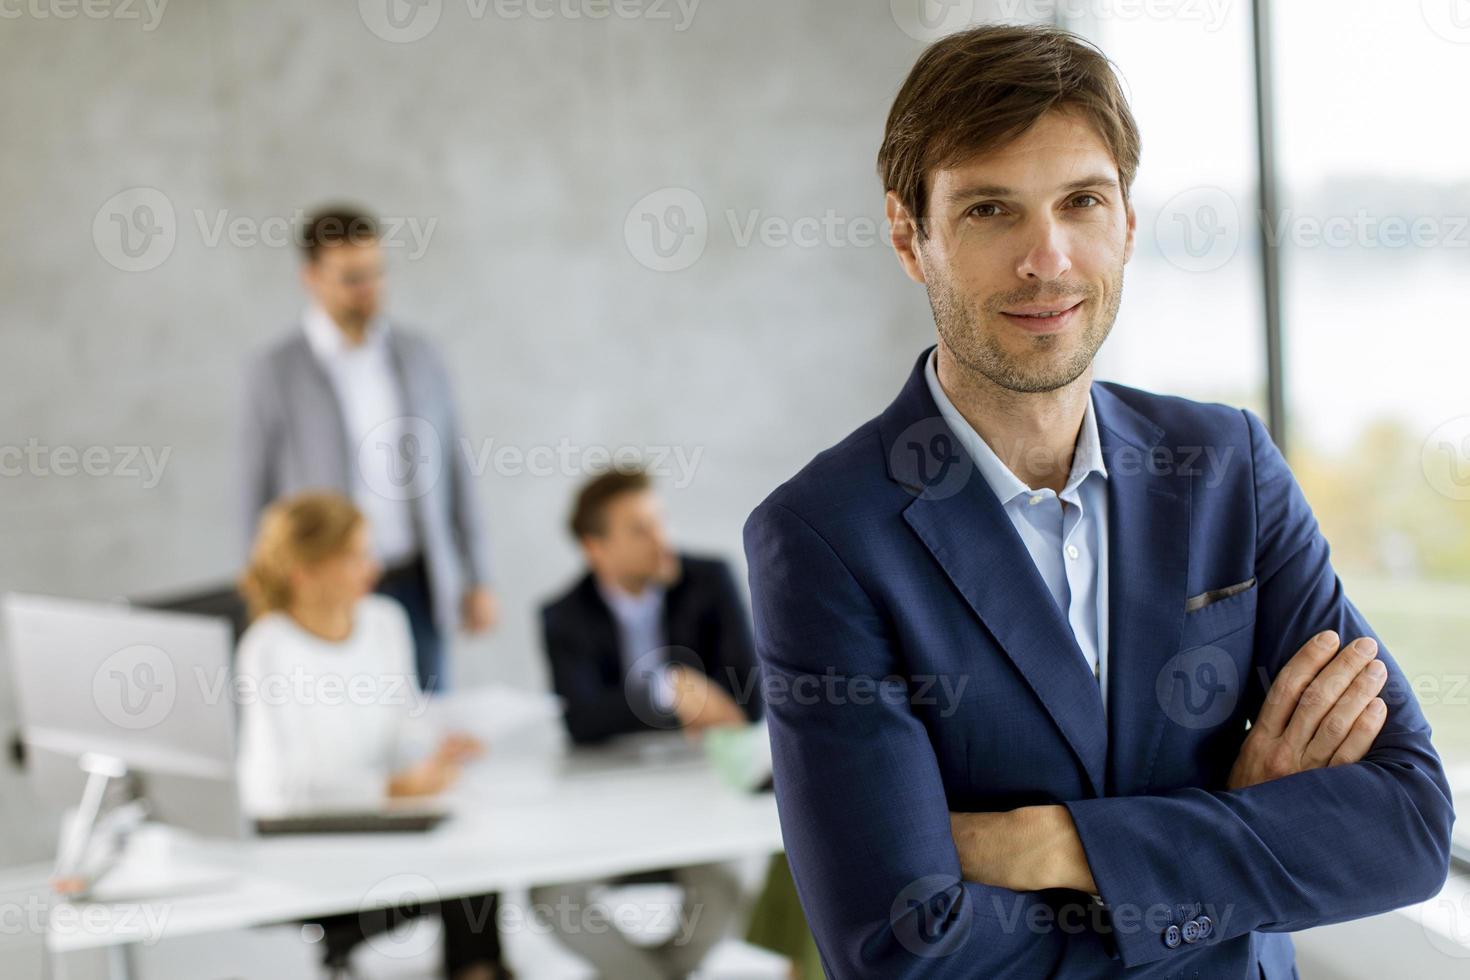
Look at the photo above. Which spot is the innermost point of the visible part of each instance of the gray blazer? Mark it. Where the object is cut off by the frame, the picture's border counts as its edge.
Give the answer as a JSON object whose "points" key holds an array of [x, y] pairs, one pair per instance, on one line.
{"points": [[294, 438]]}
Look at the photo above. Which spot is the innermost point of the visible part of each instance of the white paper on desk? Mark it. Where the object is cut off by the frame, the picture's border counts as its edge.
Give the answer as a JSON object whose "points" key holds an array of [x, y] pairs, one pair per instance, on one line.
{"points": [[491, 712]]}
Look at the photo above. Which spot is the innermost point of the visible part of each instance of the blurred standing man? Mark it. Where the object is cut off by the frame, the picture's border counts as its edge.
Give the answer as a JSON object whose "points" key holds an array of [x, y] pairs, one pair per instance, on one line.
{"points": [[348, 402]]}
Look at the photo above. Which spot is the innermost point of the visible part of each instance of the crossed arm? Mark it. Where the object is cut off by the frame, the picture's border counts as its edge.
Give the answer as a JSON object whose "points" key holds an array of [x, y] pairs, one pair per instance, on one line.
{"points": [[1322, 710], [1304, 834]]}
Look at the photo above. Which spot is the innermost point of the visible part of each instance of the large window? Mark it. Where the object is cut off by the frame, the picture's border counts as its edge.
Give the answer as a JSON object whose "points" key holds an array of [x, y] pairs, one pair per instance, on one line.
{"points": [[1373, 166], [1374, 160], [1191, 322]]}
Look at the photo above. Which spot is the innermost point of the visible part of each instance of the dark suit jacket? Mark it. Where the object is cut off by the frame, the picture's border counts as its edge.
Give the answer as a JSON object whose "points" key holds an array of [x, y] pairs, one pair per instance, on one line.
{"points": [[705, 626], [889, 561]]}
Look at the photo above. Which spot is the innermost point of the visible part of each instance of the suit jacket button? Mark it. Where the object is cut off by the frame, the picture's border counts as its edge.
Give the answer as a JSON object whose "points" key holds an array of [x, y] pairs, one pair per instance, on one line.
{"points": [[1172, 938], [1206, 926], [1190, 932]]}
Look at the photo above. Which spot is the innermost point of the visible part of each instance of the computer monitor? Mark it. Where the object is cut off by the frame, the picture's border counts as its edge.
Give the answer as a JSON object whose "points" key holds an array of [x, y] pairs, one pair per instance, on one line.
{"points": [[152, 690], [223, 601]]}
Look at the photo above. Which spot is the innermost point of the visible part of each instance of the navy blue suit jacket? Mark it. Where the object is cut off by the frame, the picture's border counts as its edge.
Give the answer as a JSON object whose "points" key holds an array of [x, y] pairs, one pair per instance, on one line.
{"points": [[914, 663]]}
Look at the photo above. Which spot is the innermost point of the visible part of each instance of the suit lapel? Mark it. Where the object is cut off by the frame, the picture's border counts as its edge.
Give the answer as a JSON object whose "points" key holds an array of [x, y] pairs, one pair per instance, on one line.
{"points": [[958, 518], [971, 537], [962, 524], [1148, 561]]}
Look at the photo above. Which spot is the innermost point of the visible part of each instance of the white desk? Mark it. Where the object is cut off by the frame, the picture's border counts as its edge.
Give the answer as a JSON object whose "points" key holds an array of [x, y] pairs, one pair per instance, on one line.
{"points": [[518, 822]]}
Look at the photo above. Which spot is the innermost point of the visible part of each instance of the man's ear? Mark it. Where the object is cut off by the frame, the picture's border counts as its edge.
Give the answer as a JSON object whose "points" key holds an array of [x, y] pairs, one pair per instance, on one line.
{"points": [[1132, 230], [591, 552], [904, 234]]}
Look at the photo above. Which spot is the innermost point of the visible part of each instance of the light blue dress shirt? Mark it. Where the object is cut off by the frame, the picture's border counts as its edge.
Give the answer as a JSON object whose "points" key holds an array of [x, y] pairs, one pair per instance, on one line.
{"points": [[1068, 544], [640, 622]]}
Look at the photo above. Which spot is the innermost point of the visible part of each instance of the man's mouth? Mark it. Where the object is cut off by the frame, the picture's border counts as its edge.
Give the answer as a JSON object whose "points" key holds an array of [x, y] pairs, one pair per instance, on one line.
{"points": [[1043, 319]]}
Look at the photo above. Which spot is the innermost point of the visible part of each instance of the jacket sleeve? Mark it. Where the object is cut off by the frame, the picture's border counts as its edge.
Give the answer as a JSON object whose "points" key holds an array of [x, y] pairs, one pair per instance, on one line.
{"points": [[592, 710], [864, 813], [1312, 848], [736, 653]]}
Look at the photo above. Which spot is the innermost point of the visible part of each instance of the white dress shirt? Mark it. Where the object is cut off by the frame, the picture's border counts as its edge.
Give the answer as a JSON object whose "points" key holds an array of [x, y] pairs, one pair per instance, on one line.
{"points": [[324, 724], [371, 398], [1068, 544]]}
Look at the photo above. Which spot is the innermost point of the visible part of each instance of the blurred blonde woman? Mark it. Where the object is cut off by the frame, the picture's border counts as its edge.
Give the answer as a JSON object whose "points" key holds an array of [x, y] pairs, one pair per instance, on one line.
{"points": [[329, 673]]}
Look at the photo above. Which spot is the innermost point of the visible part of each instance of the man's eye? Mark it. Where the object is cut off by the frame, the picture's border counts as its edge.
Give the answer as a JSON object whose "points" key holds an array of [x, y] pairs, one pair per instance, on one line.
{"points": [[985, 210], [1088, 197]]}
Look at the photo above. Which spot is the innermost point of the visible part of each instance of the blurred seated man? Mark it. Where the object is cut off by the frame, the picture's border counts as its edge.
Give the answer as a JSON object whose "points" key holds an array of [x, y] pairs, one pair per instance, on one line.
{"points": [[328, 697], [647, 639]]}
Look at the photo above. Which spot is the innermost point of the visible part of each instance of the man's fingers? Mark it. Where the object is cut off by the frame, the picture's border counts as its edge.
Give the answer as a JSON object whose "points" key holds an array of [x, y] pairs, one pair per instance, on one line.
{"points": [[1300, 670], [1338, 723], [1365, 730], [1329, 685]]}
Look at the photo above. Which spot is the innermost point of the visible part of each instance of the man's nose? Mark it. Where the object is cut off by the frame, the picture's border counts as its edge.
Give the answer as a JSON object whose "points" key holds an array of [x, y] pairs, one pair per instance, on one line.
{"points": [[1046, 257]]}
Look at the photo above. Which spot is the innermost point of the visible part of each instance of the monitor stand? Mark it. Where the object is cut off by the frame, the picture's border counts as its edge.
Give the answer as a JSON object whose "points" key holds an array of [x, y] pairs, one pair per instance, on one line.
{"points": [[113, 854]]}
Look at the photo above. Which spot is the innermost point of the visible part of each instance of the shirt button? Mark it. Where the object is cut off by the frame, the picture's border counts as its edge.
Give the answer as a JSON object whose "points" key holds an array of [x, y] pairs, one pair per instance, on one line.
{"points": [[1038, 498], [1072, 551]]}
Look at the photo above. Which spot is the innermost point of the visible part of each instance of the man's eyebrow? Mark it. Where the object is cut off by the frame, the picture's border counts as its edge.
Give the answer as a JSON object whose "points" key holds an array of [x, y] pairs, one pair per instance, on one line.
{"points": [[995, 190]]}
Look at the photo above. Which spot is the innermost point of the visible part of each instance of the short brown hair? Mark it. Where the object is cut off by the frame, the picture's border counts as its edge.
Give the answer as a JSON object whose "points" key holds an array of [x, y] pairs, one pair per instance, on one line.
{"points": [[589, 513], [294, 531], [336, 225], [981, 88]]}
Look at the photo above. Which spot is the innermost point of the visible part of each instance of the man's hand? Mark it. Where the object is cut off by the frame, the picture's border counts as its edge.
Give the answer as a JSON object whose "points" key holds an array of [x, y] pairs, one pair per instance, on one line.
{"points": [[1025, 850], [1322, 710], [481, 609], [700, 703]]}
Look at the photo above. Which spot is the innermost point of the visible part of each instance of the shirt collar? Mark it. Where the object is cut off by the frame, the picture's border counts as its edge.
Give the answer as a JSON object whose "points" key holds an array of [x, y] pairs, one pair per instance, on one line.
{"points": [[1005, 484], [327, 339], [625, 605]]}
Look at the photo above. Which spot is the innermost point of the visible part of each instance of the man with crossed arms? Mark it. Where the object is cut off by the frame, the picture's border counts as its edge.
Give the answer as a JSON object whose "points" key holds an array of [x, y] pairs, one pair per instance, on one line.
{"points": [[1090, 801]]}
